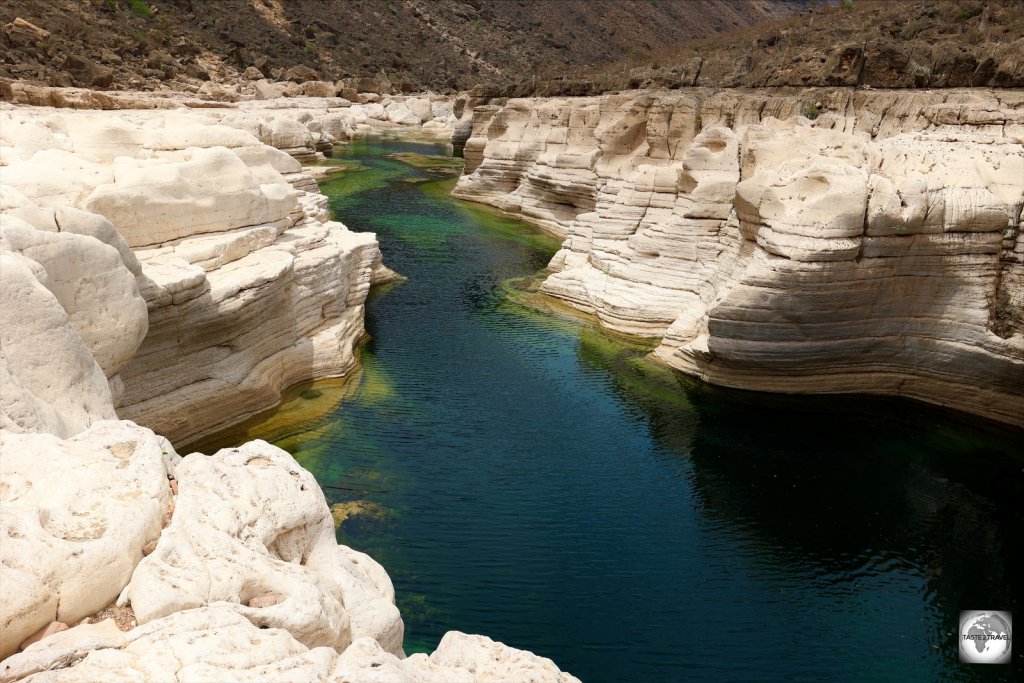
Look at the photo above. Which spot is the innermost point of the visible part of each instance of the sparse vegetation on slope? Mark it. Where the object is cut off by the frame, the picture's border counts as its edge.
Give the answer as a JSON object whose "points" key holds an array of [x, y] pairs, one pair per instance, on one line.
{"points": [[872, 43], [394, 44]]}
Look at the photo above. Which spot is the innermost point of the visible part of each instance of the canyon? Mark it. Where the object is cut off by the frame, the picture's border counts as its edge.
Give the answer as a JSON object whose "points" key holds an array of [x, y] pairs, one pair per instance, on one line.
{"points": [[169, 268], [172, 265], [829, 240]]}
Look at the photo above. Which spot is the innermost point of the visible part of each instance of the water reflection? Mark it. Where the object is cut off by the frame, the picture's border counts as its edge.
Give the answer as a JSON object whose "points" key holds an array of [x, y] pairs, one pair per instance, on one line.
{"points": [[864, 501]]}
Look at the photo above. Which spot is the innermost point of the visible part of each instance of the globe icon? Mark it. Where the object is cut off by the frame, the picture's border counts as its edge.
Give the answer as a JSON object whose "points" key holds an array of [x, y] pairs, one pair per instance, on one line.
{"points": [[985, 637]]}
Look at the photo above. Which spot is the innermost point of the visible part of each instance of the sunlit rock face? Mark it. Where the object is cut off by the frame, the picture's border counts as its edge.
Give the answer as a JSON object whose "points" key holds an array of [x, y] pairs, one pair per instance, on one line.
{"points": [[207, 275], [196, 262], [229, 563], [875, 249], [215, 643], [76, 514], [250, 523]]}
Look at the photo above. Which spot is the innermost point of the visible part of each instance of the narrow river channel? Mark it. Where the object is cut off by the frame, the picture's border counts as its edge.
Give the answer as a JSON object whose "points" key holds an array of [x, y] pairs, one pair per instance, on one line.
{"points": [[523, 475]]}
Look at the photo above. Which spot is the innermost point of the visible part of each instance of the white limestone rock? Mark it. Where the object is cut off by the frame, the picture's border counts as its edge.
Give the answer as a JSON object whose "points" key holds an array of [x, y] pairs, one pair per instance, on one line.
{"points": [[874, 250], [244, 315], [375, 110], [398, 112], [210, 644], [229, 233], [90, 281], [49, 381], [192, 134], [250, 522], [441, 109], [54, 177], [151, 202], [66, 646], [421, 108], [215, 643], [70, 219], [74, 517], [459, 658]]}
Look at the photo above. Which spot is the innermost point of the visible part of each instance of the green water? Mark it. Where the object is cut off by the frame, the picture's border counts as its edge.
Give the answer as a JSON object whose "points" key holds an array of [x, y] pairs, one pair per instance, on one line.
{"points": [[523, 475]]}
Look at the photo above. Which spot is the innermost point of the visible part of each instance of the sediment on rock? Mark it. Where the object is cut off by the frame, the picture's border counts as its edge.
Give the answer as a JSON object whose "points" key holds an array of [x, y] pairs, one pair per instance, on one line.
{"points": [[818, 240]]}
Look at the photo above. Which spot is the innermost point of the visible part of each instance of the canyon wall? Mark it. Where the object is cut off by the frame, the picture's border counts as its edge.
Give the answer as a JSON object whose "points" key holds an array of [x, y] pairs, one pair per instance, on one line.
{"points": [[176, 266], [249, 287], [813, 241]]}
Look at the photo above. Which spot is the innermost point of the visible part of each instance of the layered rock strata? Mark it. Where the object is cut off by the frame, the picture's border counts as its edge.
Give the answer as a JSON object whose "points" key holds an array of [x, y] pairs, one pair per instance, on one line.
{"points": [[873, 249], [249, 287], [179, 268]]}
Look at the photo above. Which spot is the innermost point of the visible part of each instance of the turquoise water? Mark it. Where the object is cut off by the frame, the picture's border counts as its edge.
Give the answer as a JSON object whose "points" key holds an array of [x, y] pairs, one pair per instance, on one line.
{"points": [[523, 475]]}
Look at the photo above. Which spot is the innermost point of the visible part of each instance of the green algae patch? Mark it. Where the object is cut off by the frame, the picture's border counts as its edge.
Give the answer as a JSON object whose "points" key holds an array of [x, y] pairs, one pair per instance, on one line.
{"points": [[383, 288], [290, 423], [524, 293], [493, 222], [422, 232], [415, 608], [331, 170], [626, 358], [342, 189], [376, 386], [429, 162], [439, 189], [359, 509], [402, 134], [637, 375]]}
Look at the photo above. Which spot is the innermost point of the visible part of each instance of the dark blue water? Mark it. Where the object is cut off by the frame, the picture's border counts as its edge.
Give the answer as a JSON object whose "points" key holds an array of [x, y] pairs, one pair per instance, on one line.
{"points": [[523, 475]]}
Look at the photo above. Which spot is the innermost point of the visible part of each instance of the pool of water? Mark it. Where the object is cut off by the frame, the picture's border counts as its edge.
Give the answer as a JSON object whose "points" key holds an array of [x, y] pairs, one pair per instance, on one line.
{"points": [[521, 474]]}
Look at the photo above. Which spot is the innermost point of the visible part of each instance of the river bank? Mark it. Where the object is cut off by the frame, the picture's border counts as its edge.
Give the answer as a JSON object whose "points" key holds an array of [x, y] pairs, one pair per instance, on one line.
{"points": [[815, 240]]}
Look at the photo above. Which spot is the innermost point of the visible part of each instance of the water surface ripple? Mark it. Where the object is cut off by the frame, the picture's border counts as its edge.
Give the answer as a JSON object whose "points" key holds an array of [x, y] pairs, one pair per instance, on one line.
{"points": [[526, 476]]}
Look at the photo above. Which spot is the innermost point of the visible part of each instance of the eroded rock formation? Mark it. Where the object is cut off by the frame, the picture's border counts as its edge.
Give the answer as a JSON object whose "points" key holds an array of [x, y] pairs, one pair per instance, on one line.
{"points": [[249, 522], [249, 287], [76, 514], [178, 267], [875, 249], [238, 528]]}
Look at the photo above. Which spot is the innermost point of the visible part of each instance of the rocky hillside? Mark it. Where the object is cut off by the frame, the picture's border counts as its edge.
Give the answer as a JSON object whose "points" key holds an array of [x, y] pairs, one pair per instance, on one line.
{"points": [[866, 43], [395, 44]]}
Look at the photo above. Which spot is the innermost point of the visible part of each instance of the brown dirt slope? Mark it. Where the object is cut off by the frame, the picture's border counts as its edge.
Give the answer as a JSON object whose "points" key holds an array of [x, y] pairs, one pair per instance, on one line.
{"points": [[409, 44], [865, 43]]}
